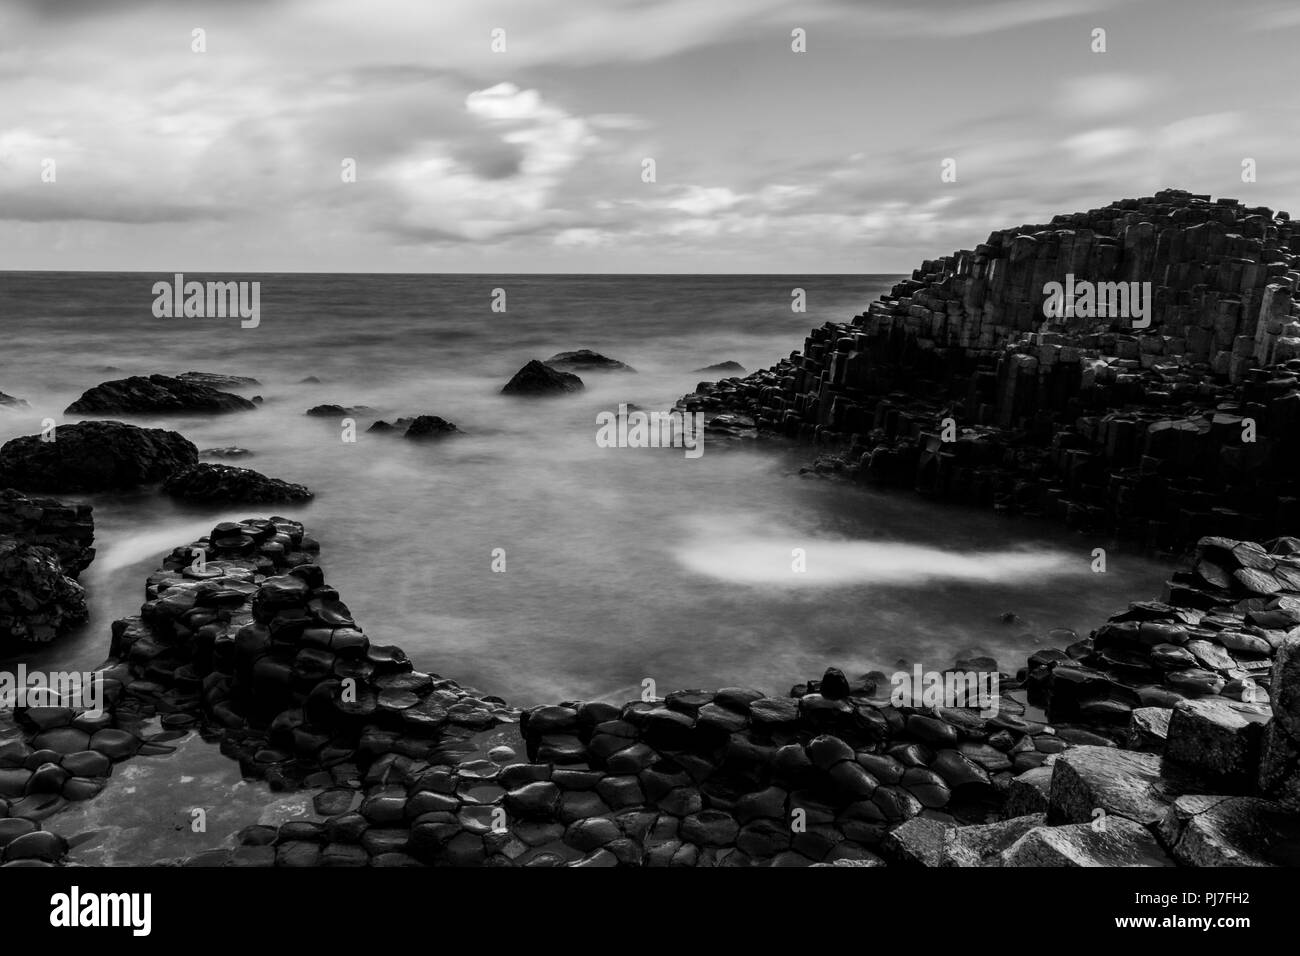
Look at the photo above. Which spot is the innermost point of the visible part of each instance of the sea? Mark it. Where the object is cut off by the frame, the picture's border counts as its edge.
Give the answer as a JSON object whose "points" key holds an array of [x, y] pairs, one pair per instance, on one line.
{"points": [[625, 569]]}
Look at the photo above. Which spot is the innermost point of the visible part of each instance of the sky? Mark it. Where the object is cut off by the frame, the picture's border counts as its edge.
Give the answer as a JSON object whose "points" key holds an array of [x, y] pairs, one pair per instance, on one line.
{"points": [[531, 157]]}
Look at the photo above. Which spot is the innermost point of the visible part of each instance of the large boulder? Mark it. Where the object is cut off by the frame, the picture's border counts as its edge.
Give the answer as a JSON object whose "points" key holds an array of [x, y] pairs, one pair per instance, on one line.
{"points": [[1090, 781], [585, 360], [153, 395], [209, 482], [67, 530], [1112, 841], [536, 378], [38, 602], [1218, 736], [94, 456]]}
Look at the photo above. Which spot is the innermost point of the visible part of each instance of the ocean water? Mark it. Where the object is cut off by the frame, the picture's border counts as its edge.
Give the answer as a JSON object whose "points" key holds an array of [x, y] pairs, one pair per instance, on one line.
{"points": [[622, 564]]}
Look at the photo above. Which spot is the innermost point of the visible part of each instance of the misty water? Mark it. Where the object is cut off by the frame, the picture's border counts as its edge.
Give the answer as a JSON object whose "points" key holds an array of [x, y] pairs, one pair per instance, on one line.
{"points": [[621, 564]]}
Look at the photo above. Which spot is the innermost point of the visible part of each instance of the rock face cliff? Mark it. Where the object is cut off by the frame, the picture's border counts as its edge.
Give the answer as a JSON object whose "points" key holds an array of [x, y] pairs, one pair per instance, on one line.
{"points": [[967, 381]]}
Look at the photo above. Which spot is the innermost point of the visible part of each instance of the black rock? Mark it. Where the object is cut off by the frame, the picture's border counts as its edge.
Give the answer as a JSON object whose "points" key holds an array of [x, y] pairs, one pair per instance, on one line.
{"points": [[38, 602], [217, 380], [207, 482], [585, 360], [430, 426], [156, 394], [536, 378], [67, 530], [309, 380], [94, 456], [336, 411], [8, 401], [230, 451]]}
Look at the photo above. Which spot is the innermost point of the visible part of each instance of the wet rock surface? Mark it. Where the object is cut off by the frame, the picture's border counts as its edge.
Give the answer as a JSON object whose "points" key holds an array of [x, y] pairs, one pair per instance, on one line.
{"points": [[155, 395], [217, 483]]}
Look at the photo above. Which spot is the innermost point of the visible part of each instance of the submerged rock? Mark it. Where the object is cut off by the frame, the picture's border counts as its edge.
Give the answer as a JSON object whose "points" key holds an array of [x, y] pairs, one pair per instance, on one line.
{"points": [[155, 394], [94, 456], [585, 360], [8, 401], [230, 451], [729, 368], [208, 482], [536, 378], [336, 411], [430, 426]]}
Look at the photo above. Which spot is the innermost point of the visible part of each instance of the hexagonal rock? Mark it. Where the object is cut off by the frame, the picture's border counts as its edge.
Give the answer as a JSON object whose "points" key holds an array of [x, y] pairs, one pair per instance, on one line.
{"points": [[983, 844], [1120, 842], [1119, 782], [1231, 831], [1217, 736], [770, 712], [37, 845], [826, 751], [591, 833], [1148, 728], [621, 791], [534, 800], [958, 770], [115, 744], [709, 828]]}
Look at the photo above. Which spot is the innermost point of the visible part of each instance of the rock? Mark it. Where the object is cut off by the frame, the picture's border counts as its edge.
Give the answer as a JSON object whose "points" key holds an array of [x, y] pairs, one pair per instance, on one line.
{"points": [[1148, 729], [729, 368], [1118, 782], [38, 602], [218, 380], [430, 426], [9, 402], [226, 483], [230, 451], [536, 378], [94, 456], [68, 530], [984, 844], [155, 395], [336, 411], [1029, 792], [1231, 831], [1218, 736], [1119, 842], [917, 842], [585, 360]]}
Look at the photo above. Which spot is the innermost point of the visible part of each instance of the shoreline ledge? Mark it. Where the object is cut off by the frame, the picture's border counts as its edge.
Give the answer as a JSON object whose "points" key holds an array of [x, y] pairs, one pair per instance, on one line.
{"points": [[956, 384], [251, 649]]}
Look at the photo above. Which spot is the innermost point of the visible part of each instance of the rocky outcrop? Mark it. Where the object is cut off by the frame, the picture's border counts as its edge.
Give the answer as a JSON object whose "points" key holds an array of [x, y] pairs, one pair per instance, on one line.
{"points": [[67, 530], [585, 360], [8, 401], [94, 456], [156, 395], [536, 378], [225, 483], [957, 384], [218, 380], [730, 368], [421, 427], [38, 602], [336, 411]]}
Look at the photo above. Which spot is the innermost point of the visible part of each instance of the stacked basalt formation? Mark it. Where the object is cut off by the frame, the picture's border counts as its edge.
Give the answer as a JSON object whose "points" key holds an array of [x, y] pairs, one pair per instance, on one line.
{"points": [[240, 637], [957, 383]]}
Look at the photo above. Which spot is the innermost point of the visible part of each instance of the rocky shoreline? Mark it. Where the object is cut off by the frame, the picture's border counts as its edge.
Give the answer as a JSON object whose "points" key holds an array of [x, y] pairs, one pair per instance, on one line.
{"points": [[955, 384], [241, 640]]}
